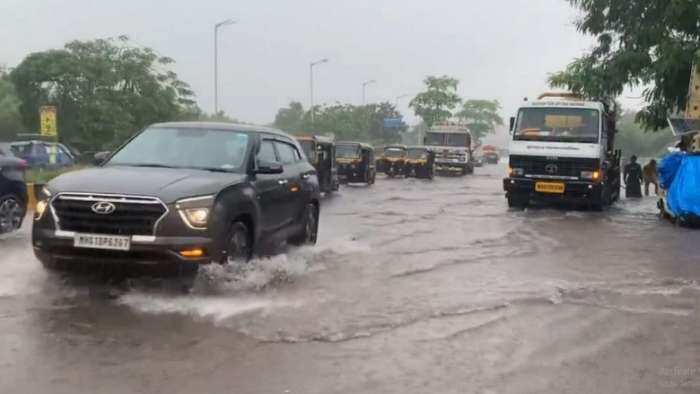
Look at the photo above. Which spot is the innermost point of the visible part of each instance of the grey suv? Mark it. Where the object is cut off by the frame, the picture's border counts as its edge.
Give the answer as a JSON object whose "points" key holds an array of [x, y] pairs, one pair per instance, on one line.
{"points": [[181, 193]]}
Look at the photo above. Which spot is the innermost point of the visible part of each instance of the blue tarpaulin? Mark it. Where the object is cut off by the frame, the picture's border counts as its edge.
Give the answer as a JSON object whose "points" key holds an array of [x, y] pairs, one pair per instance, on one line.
{"points": [[679, 174]]}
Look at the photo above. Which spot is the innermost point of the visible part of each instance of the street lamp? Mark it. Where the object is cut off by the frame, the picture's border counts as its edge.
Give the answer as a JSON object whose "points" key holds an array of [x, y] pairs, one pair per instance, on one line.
{"points": [[216, 61], [364, 90], [311, 84]]}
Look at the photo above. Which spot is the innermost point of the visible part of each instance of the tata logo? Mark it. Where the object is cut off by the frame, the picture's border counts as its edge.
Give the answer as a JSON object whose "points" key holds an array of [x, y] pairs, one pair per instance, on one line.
{"points": [[103, 208], [551, 169]]}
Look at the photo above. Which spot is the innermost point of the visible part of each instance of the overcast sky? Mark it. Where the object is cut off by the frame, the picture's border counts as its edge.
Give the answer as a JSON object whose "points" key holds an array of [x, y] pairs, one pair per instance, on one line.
{"points": [[498, 49]]}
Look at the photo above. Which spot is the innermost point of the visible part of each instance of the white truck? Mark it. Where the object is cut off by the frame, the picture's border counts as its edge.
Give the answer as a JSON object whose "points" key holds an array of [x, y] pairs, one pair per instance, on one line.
{"points": [[562, 150], [451, 143]]}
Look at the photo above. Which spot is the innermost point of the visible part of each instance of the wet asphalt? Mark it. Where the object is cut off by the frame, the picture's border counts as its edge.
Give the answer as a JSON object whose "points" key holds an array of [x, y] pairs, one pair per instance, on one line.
{"points": [[414, 287]]}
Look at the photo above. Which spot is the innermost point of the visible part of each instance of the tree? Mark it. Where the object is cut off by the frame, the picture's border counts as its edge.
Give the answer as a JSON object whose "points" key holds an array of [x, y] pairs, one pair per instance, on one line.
{"points": [[10, 120], [290, 119], [481, 116], [104, 90], [647, 43], [437, 102], [633, 140]]}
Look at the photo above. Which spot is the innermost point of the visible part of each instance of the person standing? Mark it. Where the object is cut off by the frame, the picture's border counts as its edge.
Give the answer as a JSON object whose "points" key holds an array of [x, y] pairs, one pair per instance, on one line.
{"points": [[633, 178], [650, 177]]}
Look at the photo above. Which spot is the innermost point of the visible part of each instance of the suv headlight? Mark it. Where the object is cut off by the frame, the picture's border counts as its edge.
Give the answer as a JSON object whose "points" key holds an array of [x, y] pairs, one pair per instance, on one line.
{"points": [[42, 204], [195, 211]]}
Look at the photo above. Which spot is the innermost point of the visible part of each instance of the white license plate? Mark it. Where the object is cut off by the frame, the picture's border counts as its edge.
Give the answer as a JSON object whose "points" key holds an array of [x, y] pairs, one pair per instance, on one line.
{"points": [[96, 241]]}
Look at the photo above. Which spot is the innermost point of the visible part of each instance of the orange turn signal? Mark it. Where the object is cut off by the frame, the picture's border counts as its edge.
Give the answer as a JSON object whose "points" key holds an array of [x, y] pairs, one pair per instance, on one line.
{"points": [[192, 253], [596, 175]]}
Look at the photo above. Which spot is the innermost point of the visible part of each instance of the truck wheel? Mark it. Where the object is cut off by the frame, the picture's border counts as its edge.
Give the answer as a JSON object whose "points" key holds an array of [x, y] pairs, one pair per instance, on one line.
{"points": [[517, 202]]}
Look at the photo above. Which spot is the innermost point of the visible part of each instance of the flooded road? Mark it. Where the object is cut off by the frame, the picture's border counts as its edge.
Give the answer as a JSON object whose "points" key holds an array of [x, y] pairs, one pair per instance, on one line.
{"points": [[414, 287]]}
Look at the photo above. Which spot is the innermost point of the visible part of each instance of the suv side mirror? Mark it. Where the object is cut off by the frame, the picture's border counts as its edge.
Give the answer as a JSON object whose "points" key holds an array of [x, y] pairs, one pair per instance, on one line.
{"points": [[269, 168], [100, 158], [512, 123]]}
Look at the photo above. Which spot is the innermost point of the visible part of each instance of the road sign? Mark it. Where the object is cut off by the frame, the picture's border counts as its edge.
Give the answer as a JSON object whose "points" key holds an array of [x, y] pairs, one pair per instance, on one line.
{"points": [[393, 123], [47, 116]]}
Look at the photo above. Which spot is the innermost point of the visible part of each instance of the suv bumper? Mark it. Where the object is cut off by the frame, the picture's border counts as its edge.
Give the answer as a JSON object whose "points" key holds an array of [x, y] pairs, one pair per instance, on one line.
{"points": [[574, 191], [57, 245]]}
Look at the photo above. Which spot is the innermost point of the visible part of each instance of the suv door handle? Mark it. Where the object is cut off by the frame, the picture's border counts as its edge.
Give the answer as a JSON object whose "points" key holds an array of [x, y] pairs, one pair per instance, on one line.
{"points": [[283, 181]]}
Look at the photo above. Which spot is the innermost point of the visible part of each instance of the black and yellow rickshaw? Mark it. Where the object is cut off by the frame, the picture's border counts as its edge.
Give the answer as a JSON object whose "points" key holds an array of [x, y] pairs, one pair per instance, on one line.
{"points": [[420, 162], [355, 162], [393, 160], [320, 151]]}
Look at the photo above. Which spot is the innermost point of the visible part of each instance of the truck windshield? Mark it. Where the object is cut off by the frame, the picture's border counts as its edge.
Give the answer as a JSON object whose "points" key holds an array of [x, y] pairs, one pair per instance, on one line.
{"points": [[447, 139], [558, 124], [347, 151], [205, 149]]}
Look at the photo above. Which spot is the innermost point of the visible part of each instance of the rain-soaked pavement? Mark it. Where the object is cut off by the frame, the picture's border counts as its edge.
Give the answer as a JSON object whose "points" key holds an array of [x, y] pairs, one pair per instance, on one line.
{"points": [[414, 287]]}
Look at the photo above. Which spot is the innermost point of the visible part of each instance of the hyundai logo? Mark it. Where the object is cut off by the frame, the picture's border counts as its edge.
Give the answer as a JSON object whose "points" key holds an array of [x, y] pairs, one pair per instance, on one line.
{"points": [[103, 208], [551, 169]]}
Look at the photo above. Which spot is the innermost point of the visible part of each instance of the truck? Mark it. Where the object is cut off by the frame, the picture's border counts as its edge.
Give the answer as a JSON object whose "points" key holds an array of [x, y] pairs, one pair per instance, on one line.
{"points": [[562, 150], [451, 142]]}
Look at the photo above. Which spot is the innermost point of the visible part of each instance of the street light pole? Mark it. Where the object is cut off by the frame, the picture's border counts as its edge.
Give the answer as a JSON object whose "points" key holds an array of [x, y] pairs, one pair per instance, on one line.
{"points": [[364, 90], [216, 61], [311, 85]]}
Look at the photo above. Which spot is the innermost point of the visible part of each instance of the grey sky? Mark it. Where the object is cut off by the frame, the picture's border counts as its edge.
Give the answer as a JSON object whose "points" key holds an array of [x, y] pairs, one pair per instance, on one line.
{"points": [[502, 49]]}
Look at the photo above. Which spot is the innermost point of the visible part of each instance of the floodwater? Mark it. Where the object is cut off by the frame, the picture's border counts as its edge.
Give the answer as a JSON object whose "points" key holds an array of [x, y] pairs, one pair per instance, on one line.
{"points": [[414, 287]]}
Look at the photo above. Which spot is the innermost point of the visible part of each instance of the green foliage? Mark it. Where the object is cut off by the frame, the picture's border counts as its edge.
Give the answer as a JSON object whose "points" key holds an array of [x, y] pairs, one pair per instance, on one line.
{"points": [[481, 116], [105, 90], [438, 101], [646, 43], [633, 140], [356, 123], [291, 119], [10, 120]]}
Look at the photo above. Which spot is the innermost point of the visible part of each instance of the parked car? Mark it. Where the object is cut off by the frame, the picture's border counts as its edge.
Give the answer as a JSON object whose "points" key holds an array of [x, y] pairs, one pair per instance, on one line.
{"points": [[182, 193], [13, 190], [44, 154]]}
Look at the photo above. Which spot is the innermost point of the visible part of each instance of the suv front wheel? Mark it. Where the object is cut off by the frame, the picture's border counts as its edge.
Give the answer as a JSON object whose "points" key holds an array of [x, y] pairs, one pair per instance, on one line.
{"points": [[238, 243]]}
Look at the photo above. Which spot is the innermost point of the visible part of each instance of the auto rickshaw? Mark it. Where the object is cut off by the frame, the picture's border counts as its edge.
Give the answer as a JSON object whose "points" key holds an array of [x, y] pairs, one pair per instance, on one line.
{"points": [[320, 151], [355, 162], [393, 160], [420, 162]]}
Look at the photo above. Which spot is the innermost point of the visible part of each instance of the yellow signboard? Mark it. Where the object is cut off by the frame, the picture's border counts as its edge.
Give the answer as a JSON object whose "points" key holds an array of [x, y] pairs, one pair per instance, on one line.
{"points": [[47, 115]]}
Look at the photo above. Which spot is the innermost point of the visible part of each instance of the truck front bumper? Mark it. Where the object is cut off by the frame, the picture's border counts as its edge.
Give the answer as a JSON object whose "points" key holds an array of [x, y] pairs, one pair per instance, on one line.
{"points": [[574, 191]]}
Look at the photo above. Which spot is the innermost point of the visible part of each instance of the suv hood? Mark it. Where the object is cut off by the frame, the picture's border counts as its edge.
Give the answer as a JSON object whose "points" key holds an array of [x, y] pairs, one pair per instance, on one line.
{"points": [[168, 184]]}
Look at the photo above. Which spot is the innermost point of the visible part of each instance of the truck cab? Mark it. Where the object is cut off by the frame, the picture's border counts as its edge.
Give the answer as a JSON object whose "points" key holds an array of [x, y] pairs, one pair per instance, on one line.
{"points": [[562, 150], [451, 143]]}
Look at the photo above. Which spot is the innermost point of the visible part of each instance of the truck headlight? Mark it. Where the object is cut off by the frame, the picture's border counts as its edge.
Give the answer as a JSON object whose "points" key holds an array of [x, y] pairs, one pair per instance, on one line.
{"points": [[590, 175], [195, 212]]}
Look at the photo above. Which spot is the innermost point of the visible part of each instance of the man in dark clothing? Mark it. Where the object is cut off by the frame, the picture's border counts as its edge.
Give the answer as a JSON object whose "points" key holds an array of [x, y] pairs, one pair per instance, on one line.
{"points": [[633, 178]]}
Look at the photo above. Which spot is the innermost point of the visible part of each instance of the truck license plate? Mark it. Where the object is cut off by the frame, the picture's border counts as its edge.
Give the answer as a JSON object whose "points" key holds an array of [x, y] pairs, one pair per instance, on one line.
{"points": [[107, 242], [550, 187]]}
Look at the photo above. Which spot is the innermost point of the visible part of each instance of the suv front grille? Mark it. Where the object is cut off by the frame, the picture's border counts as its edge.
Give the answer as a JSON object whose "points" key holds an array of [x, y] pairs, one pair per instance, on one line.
{"points": [[132, 215], [560, 167]]}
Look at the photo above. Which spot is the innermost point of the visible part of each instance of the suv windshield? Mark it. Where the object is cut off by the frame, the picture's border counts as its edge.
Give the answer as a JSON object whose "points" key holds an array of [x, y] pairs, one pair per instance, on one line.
{"points": [[308, 147], [347, 151], [194, 148], [558, 124]]}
